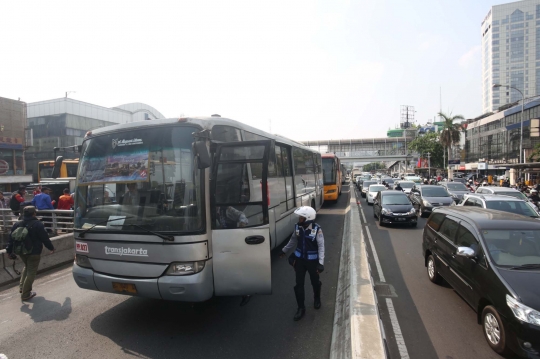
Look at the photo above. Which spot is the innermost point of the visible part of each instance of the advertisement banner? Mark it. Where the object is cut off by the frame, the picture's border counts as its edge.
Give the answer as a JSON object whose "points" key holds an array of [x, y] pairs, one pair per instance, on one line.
{"points": [[119, 167]]}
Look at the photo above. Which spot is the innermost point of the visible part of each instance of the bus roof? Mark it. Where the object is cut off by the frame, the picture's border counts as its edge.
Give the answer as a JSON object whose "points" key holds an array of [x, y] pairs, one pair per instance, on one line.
{"points": [[329, 155], [206, 123]]}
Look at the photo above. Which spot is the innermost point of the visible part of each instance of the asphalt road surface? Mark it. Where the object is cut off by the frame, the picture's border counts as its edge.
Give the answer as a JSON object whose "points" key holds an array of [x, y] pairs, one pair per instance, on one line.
{"points": [[435, 322], [64, 321]]}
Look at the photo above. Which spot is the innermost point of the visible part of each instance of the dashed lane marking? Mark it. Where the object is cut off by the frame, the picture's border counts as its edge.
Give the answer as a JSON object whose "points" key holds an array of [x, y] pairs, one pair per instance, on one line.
{"points": [[375, 257], [403, 353]]}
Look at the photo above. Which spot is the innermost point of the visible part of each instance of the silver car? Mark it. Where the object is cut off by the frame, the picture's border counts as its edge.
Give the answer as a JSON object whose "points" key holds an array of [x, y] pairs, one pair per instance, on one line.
{"points": [[501, 203]]}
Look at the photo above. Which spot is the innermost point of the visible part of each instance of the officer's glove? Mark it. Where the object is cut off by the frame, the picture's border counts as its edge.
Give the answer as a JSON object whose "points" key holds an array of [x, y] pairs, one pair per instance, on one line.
{"points": [[320, 268]]}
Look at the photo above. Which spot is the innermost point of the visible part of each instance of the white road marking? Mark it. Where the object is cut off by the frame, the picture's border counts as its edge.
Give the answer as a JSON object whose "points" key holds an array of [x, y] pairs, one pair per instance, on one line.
{"points": [[375, 257], [362, 213], [53, 280], [403, 353]]}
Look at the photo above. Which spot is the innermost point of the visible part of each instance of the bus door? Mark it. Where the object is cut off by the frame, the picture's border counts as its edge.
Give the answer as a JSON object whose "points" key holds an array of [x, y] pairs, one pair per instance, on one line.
{"points": [[240, 228]]}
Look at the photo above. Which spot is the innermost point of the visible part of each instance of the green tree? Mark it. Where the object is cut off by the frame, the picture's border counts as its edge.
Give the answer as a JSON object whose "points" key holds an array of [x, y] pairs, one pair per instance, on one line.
{"points": [[374, 166], [535, 155], [451, 131], [431, 143]]}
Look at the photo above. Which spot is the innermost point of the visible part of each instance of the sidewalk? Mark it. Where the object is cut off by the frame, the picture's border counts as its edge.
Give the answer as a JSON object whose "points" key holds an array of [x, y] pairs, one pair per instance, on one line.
{"points": [[357, 327]]}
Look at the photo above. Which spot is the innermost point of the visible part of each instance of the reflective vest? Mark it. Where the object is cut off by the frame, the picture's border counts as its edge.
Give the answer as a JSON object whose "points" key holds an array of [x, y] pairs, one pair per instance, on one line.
{"points": [[307, 247]]}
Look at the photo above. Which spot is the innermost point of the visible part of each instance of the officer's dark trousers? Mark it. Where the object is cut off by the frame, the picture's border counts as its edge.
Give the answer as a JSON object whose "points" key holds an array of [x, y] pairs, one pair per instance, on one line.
{"points": [[301, 267]]}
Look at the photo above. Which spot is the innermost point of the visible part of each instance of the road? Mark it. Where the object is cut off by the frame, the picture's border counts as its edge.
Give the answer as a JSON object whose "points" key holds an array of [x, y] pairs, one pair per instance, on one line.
{"points": [[434, 320], [64, 321]]}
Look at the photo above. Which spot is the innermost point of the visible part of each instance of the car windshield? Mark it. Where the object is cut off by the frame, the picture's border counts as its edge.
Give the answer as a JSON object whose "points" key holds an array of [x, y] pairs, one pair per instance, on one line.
{"points": [[456, 187], [513, 247], [376, 188], [140, 178], [517, 207], [406, 184], [395, 199], [434, 192], [514, 194]]}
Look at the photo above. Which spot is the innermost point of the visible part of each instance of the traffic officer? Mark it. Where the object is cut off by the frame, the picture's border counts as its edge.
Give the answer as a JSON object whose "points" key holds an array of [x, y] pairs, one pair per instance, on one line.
{"points": [[308, 257]]}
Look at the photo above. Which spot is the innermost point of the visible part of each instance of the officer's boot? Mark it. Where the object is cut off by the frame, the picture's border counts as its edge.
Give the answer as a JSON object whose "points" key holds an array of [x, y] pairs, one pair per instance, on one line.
{"points": [[317, 295], [299, 293]]}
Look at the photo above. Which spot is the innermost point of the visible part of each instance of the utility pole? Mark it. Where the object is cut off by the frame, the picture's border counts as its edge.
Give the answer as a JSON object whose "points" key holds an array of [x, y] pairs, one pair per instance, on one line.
{"points": [[429, 165]]}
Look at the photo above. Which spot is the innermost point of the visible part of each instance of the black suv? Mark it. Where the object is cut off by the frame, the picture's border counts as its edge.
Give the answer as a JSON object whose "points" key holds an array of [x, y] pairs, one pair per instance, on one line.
{"points": [[492, 259]]}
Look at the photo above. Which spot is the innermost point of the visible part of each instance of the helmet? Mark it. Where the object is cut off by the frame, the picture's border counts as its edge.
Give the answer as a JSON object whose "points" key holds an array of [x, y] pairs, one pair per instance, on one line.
{"points": [[307, 212], [470, 181], [534, 191]]}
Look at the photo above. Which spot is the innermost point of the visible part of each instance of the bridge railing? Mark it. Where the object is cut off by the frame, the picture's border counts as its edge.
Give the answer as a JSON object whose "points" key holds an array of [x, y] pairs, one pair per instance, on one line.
{"points": [[56, 221]]}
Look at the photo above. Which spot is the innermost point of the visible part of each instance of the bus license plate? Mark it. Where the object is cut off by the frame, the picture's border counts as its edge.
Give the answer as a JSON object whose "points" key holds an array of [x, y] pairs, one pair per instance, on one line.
{"points": [[124, 288]]}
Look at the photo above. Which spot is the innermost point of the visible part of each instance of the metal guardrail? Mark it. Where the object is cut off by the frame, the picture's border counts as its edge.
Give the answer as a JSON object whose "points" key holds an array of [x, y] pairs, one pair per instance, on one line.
{"points": [[56, 221]]}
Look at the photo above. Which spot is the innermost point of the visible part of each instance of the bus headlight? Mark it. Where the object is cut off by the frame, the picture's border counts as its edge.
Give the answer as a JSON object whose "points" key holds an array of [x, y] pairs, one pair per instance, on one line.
{"points": [[82, 261], [185, 268]]}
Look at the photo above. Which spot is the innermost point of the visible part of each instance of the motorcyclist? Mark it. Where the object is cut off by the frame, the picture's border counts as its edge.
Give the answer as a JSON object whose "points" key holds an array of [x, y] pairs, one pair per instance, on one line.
{"points": [[398, 187], [534, 197]]}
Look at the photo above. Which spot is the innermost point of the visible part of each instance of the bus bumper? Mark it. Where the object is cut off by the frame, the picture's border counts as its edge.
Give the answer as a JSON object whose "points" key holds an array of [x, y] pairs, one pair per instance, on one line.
{"points": [[331, 193], [192, 288]]}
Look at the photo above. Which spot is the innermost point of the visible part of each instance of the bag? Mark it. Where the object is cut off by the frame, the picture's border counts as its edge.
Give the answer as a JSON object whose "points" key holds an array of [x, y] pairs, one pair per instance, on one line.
{"points": [[13, 203], [22, 244]]}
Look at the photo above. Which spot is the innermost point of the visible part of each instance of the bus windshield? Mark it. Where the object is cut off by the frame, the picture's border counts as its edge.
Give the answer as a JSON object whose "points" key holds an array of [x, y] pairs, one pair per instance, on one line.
{"points": [[140, 178], [329, 170]]}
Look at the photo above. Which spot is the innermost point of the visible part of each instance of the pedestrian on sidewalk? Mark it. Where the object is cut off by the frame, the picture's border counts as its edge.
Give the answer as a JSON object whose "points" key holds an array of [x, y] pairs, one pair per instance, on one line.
{"points": [[17, 200], [35, 239], [308, 257]]}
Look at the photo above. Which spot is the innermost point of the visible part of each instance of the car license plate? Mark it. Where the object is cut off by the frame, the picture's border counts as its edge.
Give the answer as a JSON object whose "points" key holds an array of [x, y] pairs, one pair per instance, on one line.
{"points": [[124, 287], [400, 219]]}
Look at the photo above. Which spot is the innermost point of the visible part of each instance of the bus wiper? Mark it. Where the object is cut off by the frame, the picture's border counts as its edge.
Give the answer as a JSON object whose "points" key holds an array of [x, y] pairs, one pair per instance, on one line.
{"points": [[162, 236], [81, 235], [527, 266]]}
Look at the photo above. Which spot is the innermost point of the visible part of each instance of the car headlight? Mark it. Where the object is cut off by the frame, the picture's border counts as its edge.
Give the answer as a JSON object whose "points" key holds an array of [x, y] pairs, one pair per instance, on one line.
{"points": [[454, 195], [185, 268], [412, 211], [522, 312], [426, 203], [82, 261], [386, 211]]}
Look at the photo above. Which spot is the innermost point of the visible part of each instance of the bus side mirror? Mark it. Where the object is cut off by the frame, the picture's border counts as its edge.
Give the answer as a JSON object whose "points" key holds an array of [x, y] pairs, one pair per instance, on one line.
{"points": [[202, 153], [57, 167]]}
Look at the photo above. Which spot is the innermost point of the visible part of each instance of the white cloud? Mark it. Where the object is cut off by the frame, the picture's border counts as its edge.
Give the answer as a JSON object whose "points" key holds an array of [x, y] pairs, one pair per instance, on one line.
{"points": [[470, 57]]}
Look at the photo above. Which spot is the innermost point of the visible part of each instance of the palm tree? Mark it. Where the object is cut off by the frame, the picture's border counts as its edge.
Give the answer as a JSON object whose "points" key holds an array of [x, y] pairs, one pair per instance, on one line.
{"points": [[451, 131]]}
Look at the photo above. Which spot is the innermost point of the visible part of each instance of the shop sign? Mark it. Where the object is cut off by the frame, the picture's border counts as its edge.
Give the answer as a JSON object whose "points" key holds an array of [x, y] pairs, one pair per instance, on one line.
{"points": [[482, 166], [4, 167]]}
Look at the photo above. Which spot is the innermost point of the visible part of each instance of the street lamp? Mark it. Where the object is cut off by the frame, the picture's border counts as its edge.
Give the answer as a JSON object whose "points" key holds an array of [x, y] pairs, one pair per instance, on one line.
{"points": [[521, 130]]}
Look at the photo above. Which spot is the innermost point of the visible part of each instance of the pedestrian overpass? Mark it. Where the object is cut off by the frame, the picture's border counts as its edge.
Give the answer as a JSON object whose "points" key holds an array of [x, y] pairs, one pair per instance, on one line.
{"points": [[391, 150]]}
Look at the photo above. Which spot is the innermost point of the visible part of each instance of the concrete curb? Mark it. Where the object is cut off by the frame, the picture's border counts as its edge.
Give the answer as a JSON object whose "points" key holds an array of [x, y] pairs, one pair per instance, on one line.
{"points": [[357, 329], [64, 253]]}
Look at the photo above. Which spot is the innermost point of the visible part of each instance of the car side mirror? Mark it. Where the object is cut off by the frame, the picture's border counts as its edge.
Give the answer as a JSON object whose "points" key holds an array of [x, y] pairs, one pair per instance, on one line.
{"points": [[466, 252], [202, 153]]}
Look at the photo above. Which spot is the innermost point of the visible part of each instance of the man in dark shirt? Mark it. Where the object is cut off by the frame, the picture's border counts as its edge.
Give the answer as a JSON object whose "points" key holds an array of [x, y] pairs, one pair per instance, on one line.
{"points": [[38, 237]]}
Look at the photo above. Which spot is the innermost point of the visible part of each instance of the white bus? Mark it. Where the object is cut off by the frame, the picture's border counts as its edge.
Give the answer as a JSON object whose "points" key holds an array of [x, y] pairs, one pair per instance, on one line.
{"points": [[200, 203]]}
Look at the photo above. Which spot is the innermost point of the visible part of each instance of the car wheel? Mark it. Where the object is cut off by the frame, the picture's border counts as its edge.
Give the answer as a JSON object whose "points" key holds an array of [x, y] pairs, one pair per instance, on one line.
{"points": [[375, 214], [432, 273], [381, 222], [494, 330], [415, 224]]}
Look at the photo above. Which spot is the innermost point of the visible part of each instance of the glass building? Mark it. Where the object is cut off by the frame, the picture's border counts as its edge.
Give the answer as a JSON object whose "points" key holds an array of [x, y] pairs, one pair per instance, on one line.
{"points": [[510, 53], [495, 139], [63, 122]]}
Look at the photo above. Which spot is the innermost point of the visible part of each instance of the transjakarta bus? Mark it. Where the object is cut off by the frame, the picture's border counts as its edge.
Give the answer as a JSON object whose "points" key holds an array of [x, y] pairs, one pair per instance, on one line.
{"points": [[331, 176], [200, 203]]}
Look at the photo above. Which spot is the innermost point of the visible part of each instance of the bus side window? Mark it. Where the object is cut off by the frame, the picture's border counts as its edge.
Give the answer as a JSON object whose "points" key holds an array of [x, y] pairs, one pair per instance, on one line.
{"points": [[287, 169], [279, 162]]}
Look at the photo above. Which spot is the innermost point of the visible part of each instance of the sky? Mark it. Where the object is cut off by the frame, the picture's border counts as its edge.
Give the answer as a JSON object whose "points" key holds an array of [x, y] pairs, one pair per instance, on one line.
{"points": [[307, 70]]}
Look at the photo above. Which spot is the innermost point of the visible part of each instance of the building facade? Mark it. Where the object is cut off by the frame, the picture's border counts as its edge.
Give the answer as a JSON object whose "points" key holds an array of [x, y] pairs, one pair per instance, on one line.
{"points": [[510, 53], [12, 144], [64, 122], [495, 139]]}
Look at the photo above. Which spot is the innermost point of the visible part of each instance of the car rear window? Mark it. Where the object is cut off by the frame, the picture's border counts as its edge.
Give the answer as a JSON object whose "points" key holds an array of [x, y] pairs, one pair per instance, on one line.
{"points": [[435, 221], [517, 207]]}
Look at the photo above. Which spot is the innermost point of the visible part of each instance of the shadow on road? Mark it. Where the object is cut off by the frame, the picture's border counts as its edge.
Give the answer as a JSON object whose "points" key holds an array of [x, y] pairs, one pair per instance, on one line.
{"points": [[42, 310]]}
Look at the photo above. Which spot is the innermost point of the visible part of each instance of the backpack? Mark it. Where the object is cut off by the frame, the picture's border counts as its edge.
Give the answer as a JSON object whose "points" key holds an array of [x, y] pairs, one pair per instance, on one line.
{"points": [[22, 244], [13, 203]]}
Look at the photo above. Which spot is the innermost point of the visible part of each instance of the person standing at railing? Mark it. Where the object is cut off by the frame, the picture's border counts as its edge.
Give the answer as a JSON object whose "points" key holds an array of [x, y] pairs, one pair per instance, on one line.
{"points": [[17, 199], [3, 203], [43, 200], [65, 201], [37, 190]]}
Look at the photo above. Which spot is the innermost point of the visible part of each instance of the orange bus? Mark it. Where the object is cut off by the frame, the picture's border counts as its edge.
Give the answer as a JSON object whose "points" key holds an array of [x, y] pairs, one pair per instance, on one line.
{"points": [[331, 166]]}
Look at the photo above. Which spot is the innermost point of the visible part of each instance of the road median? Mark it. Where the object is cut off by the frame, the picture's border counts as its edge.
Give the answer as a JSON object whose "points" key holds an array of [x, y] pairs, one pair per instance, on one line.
{"points": [[64, 253], [357, 329]]}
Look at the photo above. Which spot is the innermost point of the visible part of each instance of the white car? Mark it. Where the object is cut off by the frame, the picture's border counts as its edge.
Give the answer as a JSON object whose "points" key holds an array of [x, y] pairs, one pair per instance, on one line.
{"points": [[372, 192]]}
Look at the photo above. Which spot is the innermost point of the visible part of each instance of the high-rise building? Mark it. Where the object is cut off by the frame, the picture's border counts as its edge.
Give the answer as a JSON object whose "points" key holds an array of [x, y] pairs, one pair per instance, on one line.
{"points": [[510, 53]]}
